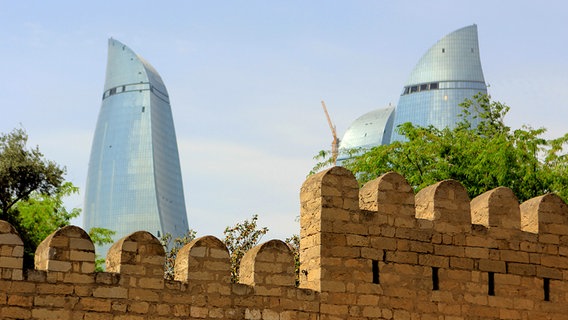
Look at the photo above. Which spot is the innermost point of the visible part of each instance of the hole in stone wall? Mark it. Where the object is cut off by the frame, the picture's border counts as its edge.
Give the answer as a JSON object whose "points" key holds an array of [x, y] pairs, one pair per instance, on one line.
{"points": [[491, 283], [375, 267], [546, 288], [435, 279]]}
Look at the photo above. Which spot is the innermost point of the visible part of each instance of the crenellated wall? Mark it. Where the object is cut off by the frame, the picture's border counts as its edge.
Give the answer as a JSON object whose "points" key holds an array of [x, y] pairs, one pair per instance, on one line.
{"points": [[376, 252]]}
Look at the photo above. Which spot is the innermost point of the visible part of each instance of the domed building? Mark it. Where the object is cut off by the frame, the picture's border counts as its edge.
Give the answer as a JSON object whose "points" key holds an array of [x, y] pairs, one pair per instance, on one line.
{"points": [[369, 130], [443, 78]]}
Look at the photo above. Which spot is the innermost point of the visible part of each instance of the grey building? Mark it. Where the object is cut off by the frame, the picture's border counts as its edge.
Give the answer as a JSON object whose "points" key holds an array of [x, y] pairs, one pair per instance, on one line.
{"points": [[134, 179]]}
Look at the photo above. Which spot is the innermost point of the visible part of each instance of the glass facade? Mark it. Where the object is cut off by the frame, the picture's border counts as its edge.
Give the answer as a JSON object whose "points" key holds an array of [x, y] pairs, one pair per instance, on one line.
{"points": [[134, 178], [369, 130], [445, 76]]}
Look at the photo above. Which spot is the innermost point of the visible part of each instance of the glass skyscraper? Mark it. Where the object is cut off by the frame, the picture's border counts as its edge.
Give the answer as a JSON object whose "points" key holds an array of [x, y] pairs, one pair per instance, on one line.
{"points": [[445, 76], [134, 179]]}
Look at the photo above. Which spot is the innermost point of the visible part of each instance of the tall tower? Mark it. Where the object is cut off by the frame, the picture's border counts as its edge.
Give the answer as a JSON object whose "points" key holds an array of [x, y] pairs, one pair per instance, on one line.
{"points": [[444, 77], [134, 178]]}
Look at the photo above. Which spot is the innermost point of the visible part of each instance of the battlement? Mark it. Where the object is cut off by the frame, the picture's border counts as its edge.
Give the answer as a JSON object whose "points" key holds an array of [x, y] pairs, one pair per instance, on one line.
{"points": [[376, 252]]}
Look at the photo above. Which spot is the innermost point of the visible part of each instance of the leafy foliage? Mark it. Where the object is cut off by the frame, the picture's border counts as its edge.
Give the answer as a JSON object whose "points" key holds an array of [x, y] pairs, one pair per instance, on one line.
{"points": [[31, 194], [294, 245], [41, 214], [172, 247], [324, 158], [25, 175], [481, 157], [240, 238], [100, 236], [24, 171]]}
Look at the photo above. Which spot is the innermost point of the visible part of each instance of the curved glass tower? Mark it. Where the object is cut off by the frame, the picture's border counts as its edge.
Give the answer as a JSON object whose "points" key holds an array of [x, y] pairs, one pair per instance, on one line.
{"points": [[134, 178], [444, 77]]}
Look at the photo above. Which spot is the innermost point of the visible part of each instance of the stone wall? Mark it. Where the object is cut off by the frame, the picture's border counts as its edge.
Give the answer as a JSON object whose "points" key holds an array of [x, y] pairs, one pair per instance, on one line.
{"points": [[376, 252]]}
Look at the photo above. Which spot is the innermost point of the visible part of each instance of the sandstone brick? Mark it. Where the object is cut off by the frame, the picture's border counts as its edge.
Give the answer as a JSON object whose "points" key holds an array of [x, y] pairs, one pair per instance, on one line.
{"points": [[143, 294], [119, 306], [151, 283], [22, 287], [15, 312], [553, 261], [20, 301], [76, 255], [49, 314], [333, 309], [521, 269], [61, 266], [253, 314], [477, 253], [11, 262], [509, 279], [110, 292], [10, 239], [549, 238], [461, 263], [545, 272], [514, 256], [50, 301], [95, 304], [138, 307], [477, 241], [384, 243], [402, 257], [492, 266], [434, 261], [97, 316], [509, 314]]}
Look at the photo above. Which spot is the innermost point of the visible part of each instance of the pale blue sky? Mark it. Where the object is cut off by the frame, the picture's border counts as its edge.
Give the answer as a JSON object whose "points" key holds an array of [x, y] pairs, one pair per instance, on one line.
{"points": [[246, 78]]}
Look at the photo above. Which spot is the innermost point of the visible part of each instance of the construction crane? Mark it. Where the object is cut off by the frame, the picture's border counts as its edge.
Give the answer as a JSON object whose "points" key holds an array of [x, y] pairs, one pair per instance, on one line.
{"points": [[335, 142]]}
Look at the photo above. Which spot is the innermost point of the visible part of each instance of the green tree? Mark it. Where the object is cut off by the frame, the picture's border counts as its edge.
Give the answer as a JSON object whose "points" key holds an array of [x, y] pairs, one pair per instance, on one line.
{"points": [[100, 236], [481, 157], [32, 190], [26, 176], [240, 238], [39, 215], [172, 247], [24, 171]]}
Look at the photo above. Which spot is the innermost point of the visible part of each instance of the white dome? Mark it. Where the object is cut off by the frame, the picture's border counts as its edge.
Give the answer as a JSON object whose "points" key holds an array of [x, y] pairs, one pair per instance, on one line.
{"points": [[369, 130]]}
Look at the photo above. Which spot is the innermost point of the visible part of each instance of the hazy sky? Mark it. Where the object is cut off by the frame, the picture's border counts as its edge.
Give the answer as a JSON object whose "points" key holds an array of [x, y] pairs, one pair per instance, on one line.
{"points": [[245, 80]]}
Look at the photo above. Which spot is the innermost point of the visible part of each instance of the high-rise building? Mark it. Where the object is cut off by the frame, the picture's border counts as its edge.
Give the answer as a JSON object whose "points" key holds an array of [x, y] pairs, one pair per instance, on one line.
{"points": [[134, 178], [444, 77]]}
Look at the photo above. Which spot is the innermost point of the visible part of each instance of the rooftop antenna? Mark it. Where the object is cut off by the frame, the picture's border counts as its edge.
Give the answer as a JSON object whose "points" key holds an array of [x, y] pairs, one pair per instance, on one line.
{"points": [[335, 142]]}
